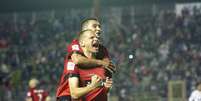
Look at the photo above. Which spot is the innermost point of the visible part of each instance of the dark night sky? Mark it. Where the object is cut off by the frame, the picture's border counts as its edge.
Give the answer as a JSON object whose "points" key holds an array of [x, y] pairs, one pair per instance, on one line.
{"points": [[35, 5]]}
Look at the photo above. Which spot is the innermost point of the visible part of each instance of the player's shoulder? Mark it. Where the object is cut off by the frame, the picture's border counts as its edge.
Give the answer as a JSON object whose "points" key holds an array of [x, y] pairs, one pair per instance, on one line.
{"points": [[102, 46], [73, 46], [70, 65], [75, 41]]}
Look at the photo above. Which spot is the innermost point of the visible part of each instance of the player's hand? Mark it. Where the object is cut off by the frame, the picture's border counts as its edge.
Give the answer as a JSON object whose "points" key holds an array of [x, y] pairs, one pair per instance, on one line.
{"points": [[109, 66], [95, 81], [108, 82]]}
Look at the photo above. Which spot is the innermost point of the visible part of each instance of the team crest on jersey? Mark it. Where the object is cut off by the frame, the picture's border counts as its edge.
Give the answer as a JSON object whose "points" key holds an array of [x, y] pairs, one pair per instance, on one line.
{"points": [[75, 47], [70, 66]]}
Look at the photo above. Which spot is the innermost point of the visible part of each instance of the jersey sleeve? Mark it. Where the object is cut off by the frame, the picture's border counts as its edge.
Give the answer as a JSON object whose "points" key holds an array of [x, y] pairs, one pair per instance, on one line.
{"points": [[73, 47], [72, 69], [103, 53], [106, 53]]}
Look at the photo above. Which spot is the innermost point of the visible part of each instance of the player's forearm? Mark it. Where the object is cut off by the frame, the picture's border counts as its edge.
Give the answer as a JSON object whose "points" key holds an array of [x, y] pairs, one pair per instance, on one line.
{"points": [[76, 93], [84, 62], [106, 59], [89, 63]]}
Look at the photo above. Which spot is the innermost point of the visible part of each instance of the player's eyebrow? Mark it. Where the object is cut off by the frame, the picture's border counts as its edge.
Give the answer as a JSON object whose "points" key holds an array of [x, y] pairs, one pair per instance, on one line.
{"points": [[96, 25]]}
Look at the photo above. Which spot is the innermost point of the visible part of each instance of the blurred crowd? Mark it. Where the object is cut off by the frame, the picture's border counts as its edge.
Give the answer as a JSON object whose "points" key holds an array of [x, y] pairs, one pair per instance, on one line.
{"points": [[149, 49]]}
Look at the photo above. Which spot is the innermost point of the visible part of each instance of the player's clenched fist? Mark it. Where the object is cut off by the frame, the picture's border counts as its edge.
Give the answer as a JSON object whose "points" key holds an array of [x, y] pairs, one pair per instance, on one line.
{"points": [[95, 81]]}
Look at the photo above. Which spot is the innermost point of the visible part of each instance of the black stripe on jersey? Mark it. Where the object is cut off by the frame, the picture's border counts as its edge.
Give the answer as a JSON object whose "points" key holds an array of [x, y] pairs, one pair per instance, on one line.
{"points": [[71, 75]]}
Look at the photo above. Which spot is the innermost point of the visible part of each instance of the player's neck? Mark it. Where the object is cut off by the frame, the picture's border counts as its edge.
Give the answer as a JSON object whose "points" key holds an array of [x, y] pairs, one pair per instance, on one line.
{"points": [[88, 54]]}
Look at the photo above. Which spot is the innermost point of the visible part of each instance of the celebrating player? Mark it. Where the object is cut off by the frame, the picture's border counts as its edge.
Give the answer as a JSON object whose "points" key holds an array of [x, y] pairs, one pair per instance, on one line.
{"points": [[81, 81], [75, 53]]}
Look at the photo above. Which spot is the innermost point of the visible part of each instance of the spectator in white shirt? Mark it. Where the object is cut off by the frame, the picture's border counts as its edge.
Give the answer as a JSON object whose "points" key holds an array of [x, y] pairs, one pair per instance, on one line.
{"points": [[196, 94]]}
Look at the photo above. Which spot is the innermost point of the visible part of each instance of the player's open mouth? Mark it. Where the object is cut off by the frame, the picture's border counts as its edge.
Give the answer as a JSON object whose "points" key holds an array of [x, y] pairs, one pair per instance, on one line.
{"points": [[95, 45]]}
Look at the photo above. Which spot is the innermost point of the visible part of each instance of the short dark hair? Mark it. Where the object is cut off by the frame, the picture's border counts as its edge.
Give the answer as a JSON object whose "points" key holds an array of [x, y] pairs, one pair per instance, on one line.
{"points": [[85, 21]]}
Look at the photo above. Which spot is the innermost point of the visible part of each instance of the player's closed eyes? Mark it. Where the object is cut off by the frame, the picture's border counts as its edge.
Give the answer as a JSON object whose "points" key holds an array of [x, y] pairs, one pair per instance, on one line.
{"points": [[96, 25], [92, 37]]}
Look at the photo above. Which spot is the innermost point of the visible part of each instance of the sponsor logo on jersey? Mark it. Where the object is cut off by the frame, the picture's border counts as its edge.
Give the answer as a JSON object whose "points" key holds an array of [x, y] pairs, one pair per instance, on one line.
{"points": [[70, 66], [75, 47]]}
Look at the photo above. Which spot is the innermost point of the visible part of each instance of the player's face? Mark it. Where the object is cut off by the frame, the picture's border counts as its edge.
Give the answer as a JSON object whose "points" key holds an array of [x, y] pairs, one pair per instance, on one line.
{"points": [[94, 26], [91, 42]]}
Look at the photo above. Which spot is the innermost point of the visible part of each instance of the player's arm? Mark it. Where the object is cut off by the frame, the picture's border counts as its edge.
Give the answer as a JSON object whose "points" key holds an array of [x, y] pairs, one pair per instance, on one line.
{"points": [[87, 63], [84, 62], [76, 91], [74, 53]]}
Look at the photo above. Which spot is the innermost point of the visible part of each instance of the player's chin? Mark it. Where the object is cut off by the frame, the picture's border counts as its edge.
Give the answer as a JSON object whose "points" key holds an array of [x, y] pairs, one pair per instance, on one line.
{"points": [[95, 49]]}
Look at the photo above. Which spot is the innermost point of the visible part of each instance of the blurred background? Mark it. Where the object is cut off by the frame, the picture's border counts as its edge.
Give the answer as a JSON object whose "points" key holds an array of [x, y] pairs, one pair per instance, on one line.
{"points": [[156, 45]]}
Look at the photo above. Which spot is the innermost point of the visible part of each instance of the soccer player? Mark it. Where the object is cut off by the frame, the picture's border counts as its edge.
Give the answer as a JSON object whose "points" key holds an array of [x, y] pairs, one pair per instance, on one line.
{"points": [[75, 53], [196, 94], [36, 94], [80, 80]]}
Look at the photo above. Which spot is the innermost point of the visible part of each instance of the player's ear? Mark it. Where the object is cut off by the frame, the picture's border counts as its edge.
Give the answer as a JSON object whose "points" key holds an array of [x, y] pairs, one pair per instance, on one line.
{"points": [[82, 43]]}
